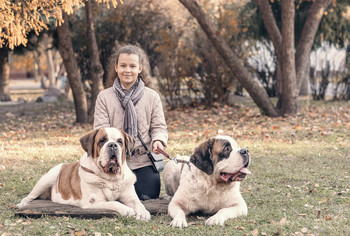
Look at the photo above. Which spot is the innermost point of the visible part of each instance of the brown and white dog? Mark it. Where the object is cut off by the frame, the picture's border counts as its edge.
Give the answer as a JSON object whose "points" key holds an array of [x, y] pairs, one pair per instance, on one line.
{"points": [[101, 179], [209, 183]]}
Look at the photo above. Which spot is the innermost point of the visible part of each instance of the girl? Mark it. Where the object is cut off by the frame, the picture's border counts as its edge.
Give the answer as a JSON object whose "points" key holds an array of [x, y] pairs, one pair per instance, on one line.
{"points": [[128, 105]]}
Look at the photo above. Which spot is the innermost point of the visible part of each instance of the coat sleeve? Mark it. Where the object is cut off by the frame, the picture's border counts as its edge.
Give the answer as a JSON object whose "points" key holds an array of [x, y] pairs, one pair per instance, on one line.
{"points": [[101, 116], [158, 127]]}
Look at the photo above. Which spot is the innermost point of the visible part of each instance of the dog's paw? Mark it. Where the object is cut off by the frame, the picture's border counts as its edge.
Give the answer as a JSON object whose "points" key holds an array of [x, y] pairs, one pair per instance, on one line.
{"points": [[126, 211], [242, 211], [216, 220], [25, 202], [179, 222], [143, 215]]}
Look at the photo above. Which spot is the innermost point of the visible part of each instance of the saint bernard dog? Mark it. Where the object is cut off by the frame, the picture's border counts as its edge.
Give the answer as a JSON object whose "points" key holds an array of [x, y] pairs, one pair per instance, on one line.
{"points": [[101, 179], [209, 183]]}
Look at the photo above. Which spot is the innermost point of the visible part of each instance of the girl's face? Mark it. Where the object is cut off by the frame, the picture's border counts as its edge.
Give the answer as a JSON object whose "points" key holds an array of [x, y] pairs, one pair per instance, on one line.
{"points": [[128, 68]]}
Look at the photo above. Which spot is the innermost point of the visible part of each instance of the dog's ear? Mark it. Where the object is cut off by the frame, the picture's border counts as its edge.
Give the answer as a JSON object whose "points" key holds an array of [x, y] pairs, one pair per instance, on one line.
{"points": [[202, 157], [129, 144], [87, 142]]}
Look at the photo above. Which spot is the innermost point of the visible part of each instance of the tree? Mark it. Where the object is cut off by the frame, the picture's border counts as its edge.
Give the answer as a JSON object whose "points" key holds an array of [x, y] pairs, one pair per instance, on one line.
{"points": [[292, 65], [65, 48], [303, 48], [233, 62], [95, 68], [333, 27], [19, 17], [4, 75]]}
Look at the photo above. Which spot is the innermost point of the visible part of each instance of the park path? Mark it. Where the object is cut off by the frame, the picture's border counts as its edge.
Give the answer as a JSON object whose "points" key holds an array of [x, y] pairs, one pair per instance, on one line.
{"points": [[23, 84]]}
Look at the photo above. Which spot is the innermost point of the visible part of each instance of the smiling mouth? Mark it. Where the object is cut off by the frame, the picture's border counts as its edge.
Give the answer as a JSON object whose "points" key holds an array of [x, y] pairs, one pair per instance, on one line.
{"points": [[237, 176]]}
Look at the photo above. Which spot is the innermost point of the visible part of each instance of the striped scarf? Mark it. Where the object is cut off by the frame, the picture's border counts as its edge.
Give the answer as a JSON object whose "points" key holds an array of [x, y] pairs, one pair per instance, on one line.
{"points": [[128, 100]]}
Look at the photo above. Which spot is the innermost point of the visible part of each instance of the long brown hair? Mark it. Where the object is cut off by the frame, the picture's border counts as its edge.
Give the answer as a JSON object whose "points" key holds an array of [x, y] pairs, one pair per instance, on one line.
{"points": [[128, 49]]}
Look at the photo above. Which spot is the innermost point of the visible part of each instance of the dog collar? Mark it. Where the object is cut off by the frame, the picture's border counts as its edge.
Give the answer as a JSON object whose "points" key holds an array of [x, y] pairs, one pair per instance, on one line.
{"points": [[87, 170]]}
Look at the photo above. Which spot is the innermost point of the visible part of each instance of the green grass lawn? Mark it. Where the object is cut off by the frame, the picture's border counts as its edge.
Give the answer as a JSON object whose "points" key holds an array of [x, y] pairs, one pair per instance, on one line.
{"points": [[300, 181]]}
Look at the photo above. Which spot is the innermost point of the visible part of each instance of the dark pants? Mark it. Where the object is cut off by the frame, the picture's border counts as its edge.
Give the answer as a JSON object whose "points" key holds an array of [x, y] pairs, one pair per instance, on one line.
{"points": [[147, 185]]}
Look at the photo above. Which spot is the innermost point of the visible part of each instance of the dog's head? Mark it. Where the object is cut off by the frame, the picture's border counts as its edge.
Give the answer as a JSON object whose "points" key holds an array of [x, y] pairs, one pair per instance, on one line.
{"points": [[109, 147], [221, 157]]}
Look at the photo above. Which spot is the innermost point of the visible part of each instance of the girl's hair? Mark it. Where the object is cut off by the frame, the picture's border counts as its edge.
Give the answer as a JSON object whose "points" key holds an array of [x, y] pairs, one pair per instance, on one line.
{"points": [[128, 49]]}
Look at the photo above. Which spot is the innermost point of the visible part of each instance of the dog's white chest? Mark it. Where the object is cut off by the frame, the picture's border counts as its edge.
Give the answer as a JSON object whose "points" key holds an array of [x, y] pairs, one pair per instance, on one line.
{"points": [[112, 191]]}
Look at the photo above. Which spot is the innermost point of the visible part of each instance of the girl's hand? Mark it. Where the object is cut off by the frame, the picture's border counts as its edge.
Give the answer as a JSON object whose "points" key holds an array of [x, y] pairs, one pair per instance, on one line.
{"points": [[157, 144]]}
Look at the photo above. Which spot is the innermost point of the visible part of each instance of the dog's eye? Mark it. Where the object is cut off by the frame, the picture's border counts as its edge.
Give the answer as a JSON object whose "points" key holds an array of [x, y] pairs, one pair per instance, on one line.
{"points": [[227, 149], [102, 140], [120, 141]]}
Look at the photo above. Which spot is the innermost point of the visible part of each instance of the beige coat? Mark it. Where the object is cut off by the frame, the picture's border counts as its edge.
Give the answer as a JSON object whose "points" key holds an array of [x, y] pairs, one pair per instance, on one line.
{"points": [[150, 120]]}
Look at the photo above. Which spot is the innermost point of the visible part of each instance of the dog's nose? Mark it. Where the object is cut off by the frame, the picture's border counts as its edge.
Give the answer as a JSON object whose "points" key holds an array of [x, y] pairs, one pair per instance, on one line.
{"points": [[112, 146], [243, 151]]}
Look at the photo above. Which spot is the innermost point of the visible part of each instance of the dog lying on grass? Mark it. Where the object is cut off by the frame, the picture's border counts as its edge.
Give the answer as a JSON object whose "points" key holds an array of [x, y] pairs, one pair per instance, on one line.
{"points": [[101, 179], [210, 183]]}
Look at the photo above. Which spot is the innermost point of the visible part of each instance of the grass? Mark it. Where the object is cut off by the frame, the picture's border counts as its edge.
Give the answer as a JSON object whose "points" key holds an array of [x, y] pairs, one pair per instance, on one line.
{"points": [[300, 182]]}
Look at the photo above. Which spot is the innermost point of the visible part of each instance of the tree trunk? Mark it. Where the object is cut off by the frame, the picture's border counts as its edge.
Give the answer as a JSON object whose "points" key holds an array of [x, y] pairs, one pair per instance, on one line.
{"points": [[4, 75], [65, 48], [47, 49], [289, 96], [307, 37], [305, 85], [39, 74], [57, 65], [257, 93], [276, 38], [302, 51], [50, 67], [96, 71]]}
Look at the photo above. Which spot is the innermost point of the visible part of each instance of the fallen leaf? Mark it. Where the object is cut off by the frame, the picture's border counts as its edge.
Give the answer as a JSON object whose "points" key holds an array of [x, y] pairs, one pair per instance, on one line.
{"points": [[283, 221], [297, 127], [255, 232], [324, 200]]}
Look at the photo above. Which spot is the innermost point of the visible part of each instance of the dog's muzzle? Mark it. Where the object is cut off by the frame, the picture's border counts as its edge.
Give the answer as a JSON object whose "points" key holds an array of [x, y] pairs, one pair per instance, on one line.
{"points": [[113, 165]]}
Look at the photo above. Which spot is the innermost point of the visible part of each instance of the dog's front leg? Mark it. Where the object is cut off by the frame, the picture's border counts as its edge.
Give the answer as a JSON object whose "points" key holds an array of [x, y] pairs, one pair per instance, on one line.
{"points": [[227, 213], [178, 213], [112, 205], [134, 202]]}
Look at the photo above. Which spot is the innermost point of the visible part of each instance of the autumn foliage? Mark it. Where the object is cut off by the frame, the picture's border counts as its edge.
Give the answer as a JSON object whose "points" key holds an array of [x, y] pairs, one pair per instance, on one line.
{"points": [[17, 18]]}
